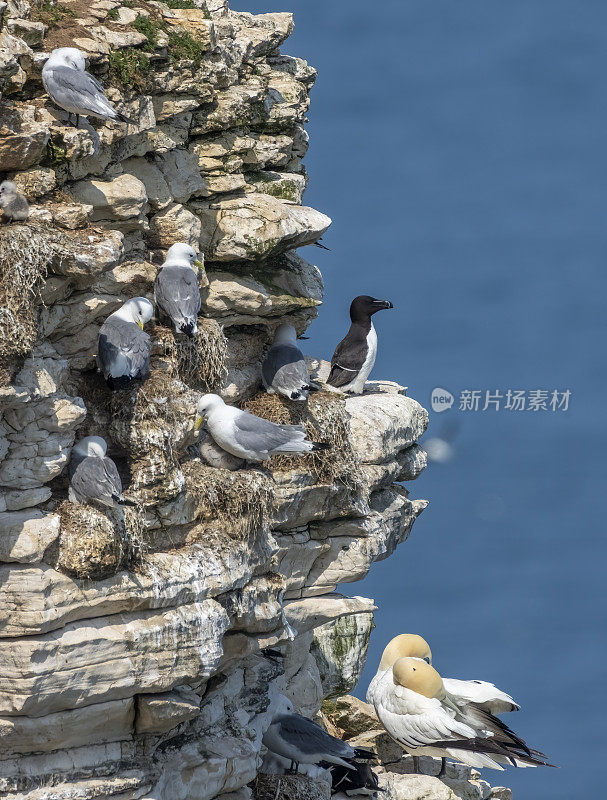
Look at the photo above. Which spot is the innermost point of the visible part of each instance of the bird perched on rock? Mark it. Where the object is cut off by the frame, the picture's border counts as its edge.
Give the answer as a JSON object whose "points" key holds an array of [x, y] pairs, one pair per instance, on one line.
{"points": [[249, 437], [13, 203], [484, 694], [74, 89], [355, 780], [355, 355], [94, 477], [420, 714], [284, 370], [123, 348], [302, 741], [213, 455], [176, 291]]}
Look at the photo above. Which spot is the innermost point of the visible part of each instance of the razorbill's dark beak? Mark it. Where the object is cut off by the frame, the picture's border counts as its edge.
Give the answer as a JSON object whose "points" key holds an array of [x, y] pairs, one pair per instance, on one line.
{"points": [[383, 304], [303, 337]]}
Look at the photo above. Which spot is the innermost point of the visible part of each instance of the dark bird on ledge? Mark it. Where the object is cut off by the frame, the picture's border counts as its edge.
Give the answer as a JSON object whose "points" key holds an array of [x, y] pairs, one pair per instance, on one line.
{"points": [[355, 355]]}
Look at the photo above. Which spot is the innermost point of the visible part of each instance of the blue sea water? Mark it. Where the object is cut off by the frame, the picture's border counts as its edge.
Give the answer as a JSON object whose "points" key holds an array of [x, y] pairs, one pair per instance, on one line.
{"points": [[459, 148]]}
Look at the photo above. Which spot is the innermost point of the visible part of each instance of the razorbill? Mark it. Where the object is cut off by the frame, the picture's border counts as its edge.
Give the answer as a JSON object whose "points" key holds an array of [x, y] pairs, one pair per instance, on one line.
{"points": [[354, 356]]}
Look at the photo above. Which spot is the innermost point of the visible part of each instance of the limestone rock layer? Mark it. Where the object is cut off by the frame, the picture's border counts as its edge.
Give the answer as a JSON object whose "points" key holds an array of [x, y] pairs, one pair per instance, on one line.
{"points": [[140, 649]]}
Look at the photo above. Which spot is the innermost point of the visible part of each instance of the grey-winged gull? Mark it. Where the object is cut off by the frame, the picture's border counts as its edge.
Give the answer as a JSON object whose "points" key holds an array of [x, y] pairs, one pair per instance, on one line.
{"points": [[176, 291], [123, 348], [302, 741], [284, 370], [244, 435], [93, 475], [355, 355], [74, 89], [13, 204]]}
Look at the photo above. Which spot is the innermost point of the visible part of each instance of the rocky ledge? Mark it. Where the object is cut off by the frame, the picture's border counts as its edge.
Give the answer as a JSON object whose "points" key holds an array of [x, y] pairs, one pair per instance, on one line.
{"points": [[138, 649]]}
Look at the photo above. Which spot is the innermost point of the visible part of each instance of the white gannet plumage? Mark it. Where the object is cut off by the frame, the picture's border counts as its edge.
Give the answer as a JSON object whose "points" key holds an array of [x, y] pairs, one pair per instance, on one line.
{"points": [[419, 713]]}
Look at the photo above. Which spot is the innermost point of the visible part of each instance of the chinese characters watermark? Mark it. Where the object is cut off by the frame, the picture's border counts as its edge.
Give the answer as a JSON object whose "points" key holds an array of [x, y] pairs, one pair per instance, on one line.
{"points": [[497, 400]]}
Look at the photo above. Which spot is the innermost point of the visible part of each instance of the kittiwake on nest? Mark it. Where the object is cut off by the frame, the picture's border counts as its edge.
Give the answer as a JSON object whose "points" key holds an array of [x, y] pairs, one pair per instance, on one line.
{"points": [[123, 348], [284, 369], [13, 204], [325, 419], [75, 90], [302, 741], [94, 477], [176, 291], [244, 435]]}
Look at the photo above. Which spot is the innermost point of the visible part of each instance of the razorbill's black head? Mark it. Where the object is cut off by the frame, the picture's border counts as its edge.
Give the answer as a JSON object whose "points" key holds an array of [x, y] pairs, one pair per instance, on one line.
{"points": [[364, 306]]}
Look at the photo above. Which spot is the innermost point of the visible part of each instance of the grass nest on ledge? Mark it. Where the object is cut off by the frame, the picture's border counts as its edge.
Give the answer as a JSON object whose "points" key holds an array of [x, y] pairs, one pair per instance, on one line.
{"points": [[326, 420], [26, 253], [96, 542], [237, 504], [199, 362], [150, 422], [93, 543]]}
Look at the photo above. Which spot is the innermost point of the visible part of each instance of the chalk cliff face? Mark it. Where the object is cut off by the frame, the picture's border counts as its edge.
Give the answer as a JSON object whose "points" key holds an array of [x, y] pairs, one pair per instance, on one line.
{"points": [[133, 646]]}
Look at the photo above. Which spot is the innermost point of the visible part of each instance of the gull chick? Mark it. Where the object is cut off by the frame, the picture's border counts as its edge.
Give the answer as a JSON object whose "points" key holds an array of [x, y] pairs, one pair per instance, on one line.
{"points": [[13, 203], [355, 355], [93, 475], [250, 437], [123, 348], [420, 714], [74, 89], [176, 291], [302, 741], [484, 694], [284, 370]]}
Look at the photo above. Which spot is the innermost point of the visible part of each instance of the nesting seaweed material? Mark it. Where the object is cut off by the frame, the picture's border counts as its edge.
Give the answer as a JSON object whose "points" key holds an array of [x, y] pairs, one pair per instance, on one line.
{"points": [[199, 362], [237, 504], [153, 423], [25, 255], [93, 543], [326, 420]]}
